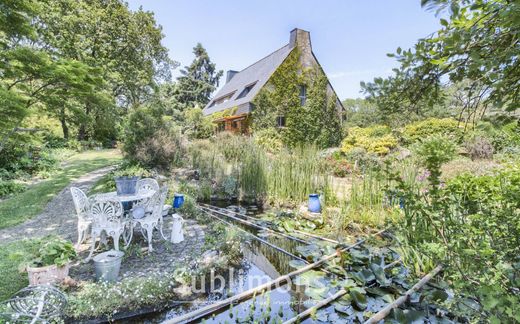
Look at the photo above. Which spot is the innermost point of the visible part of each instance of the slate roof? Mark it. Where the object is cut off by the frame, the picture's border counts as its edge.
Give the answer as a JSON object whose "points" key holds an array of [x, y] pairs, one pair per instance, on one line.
{"points": [[259, 72]]}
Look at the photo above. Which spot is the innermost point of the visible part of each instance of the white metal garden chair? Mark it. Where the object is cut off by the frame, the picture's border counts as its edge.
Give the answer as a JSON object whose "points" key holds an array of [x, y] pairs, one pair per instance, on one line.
{"points": [[81, 203], [107, 219], [152, 220], [147, 184]]}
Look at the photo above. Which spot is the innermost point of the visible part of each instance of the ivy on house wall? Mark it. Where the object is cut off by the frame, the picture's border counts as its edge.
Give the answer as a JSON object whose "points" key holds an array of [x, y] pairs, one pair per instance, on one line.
{"points": [[315, 122]]}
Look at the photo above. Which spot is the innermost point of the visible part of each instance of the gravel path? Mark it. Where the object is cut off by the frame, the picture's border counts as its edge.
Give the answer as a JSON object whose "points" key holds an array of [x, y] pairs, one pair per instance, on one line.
{"points": [[58, 217]]}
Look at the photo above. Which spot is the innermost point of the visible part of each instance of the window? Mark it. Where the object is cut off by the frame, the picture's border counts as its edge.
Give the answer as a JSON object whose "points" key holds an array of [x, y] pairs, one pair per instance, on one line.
{"points": [[221, 127], [280, 121], [246, 90], [303, 94], [222, 99]]}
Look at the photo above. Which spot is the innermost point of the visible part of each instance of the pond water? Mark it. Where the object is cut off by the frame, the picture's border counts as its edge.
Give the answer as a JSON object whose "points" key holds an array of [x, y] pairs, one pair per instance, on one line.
{"points": [[261, 264]]}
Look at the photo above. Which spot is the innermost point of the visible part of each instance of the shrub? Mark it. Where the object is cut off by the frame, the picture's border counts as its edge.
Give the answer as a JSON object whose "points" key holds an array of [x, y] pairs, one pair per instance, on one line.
{"points": [[504, 138], [375, 139], [472, 225], [479, 147], [230, 145], [10, 187], [360, 158], [432, 153], [448, 127], [141, 125], [339, 167], [162, 150], [269, 139], [196, 125]]}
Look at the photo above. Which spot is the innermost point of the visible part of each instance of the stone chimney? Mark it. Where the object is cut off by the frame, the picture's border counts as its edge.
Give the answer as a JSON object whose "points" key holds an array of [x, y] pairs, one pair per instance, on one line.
{"points": [[230, 74], [301, 38]]}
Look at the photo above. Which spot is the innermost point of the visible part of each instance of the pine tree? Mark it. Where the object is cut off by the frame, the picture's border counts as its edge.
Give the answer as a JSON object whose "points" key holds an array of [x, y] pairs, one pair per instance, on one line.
{"points": [[198, 80]]}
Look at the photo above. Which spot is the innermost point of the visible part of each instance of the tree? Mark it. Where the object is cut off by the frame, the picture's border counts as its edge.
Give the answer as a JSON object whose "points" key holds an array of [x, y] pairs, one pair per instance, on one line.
{"points": [[361, 112], [196, 125], [105, 34], [30, 75], [198, 80], [479, 42]]}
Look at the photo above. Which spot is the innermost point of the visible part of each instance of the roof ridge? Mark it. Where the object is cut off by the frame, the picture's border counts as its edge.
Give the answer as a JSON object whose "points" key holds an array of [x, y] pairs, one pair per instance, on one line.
{"points": [[263, 58]]}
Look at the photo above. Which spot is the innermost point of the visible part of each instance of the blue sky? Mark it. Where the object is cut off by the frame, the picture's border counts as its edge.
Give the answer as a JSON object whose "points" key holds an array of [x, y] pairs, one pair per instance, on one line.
{"points": [[349, 37]]}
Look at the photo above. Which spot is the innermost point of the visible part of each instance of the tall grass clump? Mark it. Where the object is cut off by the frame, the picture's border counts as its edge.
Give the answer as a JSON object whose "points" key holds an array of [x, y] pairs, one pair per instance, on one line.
{"points": [[253, 172], [364, 202], [293, 175], [205, 156]]}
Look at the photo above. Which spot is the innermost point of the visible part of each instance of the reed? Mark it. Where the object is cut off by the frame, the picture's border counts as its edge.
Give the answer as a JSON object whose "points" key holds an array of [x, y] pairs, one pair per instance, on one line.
{"points": [[293, 175]]}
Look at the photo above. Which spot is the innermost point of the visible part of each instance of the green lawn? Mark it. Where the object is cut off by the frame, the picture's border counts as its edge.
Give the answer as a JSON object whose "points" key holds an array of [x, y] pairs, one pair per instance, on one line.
{"points": [[30, 203], [12, 256]]}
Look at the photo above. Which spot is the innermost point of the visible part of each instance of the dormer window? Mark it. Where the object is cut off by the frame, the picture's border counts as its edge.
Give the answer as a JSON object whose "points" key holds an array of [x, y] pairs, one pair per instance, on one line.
{"points": [[246, 90], [222, 99], [303, 94]]}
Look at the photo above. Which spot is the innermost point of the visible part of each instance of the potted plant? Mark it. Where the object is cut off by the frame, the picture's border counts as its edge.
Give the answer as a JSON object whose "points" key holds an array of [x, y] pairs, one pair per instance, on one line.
{"points": [[126, 185], [52, 262]]}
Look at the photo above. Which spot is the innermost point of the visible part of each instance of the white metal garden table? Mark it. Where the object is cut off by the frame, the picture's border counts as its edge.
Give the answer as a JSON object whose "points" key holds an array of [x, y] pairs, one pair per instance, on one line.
{"points": [[125, 200]]}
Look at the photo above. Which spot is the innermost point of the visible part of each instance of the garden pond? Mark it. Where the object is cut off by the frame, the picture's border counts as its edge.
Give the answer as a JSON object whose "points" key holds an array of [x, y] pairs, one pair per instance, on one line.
{"points": [[372, 275]]}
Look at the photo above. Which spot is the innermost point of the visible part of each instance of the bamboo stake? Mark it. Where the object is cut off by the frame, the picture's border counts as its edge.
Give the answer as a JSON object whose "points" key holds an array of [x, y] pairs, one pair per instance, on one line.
{"points": [[256, 237], [314, 308], [258, 226], [280, 281], [256, 219], [399, 301], [318, 237], [326, 301]]}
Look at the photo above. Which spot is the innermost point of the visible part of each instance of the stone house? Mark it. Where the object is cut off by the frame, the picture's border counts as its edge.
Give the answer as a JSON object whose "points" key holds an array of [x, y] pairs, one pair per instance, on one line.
{"points": [[233, 104]]}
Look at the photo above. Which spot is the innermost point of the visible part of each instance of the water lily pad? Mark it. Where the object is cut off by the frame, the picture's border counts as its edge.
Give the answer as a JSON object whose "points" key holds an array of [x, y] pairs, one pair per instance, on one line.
{"points": [[379, 274], [334, 268], [288, 226], [344, 300], [407, 316], [309, 252], [311, 278], [345, 309], [360, 257], [347, 283], [359, 297], [317, 293], [297, 264], [436, 295], [363, 277], [321, 315]]}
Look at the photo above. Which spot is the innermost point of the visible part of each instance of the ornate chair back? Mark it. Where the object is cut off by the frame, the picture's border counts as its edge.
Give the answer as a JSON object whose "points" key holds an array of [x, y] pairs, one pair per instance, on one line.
{"points": [[157, 202], [106, 213], [81, 203], [147, 184]]}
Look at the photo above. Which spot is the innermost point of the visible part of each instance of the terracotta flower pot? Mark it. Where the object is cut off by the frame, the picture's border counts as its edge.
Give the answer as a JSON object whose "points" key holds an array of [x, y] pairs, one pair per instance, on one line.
{"points": [[47, 275]]}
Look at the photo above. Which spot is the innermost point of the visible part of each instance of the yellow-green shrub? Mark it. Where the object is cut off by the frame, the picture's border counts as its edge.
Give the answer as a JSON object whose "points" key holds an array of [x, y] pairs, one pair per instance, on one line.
{"points": [[448, 127], [269, 139], [376, 139]]}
